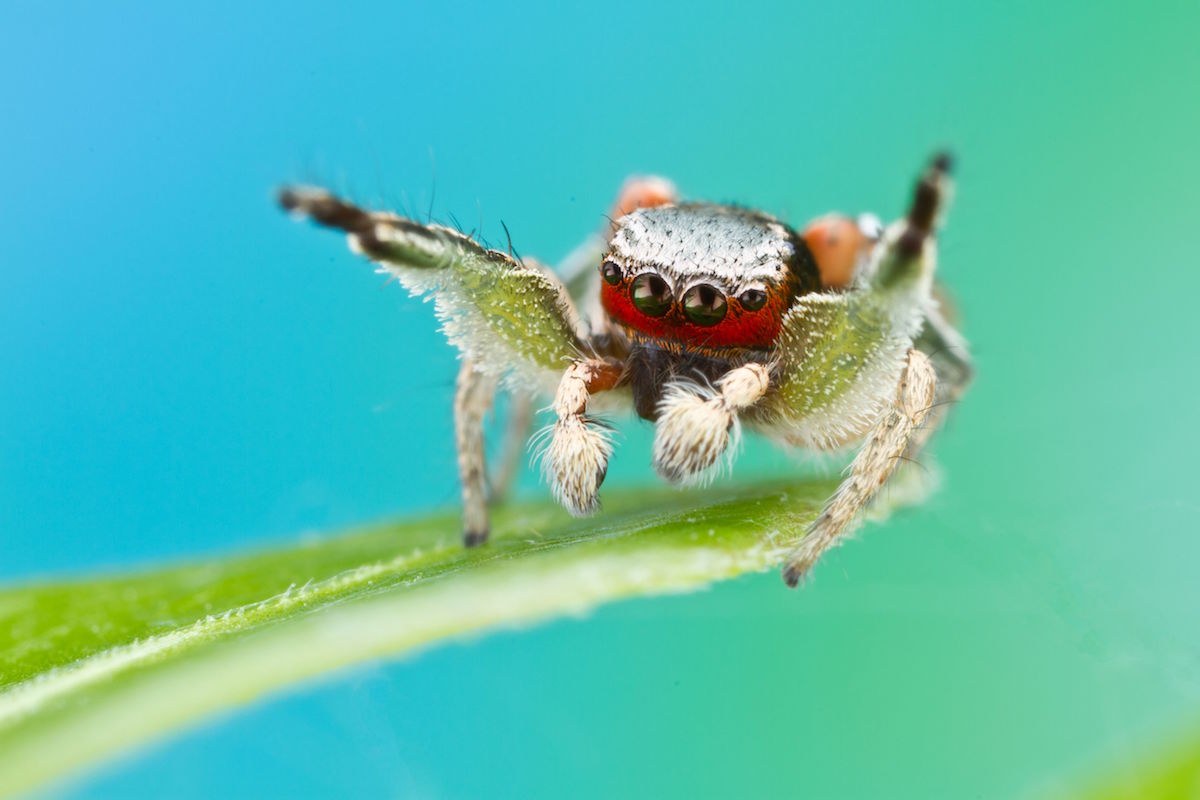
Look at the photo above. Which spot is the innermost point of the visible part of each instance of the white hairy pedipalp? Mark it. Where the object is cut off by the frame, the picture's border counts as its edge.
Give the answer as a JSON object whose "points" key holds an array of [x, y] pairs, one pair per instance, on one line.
{"points": [[698, 423]]}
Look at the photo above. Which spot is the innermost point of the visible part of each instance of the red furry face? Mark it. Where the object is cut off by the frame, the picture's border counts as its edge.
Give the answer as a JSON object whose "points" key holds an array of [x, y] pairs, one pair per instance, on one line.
{"points": [[695, 315]]}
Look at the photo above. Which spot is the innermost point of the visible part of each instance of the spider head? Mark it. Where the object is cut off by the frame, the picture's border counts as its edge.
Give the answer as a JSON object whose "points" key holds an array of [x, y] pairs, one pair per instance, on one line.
{"points": [[704, 276]]}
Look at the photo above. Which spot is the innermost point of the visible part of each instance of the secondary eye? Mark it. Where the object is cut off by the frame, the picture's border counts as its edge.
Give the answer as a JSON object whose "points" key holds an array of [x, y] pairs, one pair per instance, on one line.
{"points": [[753, 299], [651, 295], [704, 304], [611, 273]]}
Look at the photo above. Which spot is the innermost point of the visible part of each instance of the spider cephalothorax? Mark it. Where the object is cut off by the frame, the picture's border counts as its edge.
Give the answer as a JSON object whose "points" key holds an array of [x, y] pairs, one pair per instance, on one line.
{"points": [[695, 288], [707, 316], [704, 276]]}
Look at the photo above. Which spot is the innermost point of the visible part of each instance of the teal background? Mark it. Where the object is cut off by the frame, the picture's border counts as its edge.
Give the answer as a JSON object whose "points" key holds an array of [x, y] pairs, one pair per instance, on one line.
{"points": [[185, 371]]}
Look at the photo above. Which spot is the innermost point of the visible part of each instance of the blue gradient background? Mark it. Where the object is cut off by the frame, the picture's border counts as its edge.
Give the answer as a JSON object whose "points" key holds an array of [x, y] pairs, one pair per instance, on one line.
{"points": [[184, 371]]}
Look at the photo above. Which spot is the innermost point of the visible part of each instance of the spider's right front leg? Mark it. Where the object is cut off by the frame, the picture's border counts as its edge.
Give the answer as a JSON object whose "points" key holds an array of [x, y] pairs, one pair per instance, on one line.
{"points": [[577, 459]]}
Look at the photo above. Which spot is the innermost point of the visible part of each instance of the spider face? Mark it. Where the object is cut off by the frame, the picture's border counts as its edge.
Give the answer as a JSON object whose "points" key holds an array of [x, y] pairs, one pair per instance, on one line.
{"points": [[699, 277]]}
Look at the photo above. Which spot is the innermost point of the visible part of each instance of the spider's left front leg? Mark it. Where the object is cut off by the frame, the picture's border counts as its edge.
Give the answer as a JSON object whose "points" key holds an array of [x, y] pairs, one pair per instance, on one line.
{"points": [[838, 353], [888, 442], [693, 429], [576, 460]]}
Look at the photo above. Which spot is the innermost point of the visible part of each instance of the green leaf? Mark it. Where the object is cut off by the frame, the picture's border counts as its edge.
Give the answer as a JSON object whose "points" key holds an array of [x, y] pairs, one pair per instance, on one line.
{"points": [[90, 668], [1169, 771]]}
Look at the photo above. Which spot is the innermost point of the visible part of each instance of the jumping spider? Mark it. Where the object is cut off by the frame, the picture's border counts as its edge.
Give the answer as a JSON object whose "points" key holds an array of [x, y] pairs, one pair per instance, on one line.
{"points": [[704, 317]]}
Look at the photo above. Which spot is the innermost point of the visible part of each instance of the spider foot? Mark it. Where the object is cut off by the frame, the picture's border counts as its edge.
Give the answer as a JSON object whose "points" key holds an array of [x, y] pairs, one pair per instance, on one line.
{"points": [[474, 538], [802, 559]]}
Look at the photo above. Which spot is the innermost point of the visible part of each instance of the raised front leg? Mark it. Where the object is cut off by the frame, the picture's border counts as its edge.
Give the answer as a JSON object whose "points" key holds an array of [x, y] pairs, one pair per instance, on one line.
{"points": [[507, 316], [695, 425], [851, 365], [887, 443], [576, 460], [511, 318]]}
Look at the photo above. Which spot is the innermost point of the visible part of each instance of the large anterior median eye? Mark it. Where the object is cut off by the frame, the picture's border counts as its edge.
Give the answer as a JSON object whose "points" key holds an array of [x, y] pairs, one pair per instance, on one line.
{"points": [[704, 304], [651, 295]]}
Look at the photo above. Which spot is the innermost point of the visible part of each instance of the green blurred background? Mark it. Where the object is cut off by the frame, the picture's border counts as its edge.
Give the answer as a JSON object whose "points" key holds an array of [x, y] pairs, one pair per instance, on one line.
{"points": [[186, 371]]}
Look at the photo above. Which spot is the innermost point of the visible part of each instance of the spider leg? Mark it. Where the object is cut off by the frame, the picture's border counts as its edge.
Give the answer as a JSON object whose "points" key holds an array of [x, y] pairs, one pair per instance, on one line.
{"points": [[511, 318], [946, 348], [887, 444], [576, 460], [947, 351], [508, 316], [694, 425], [472, 399]]}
